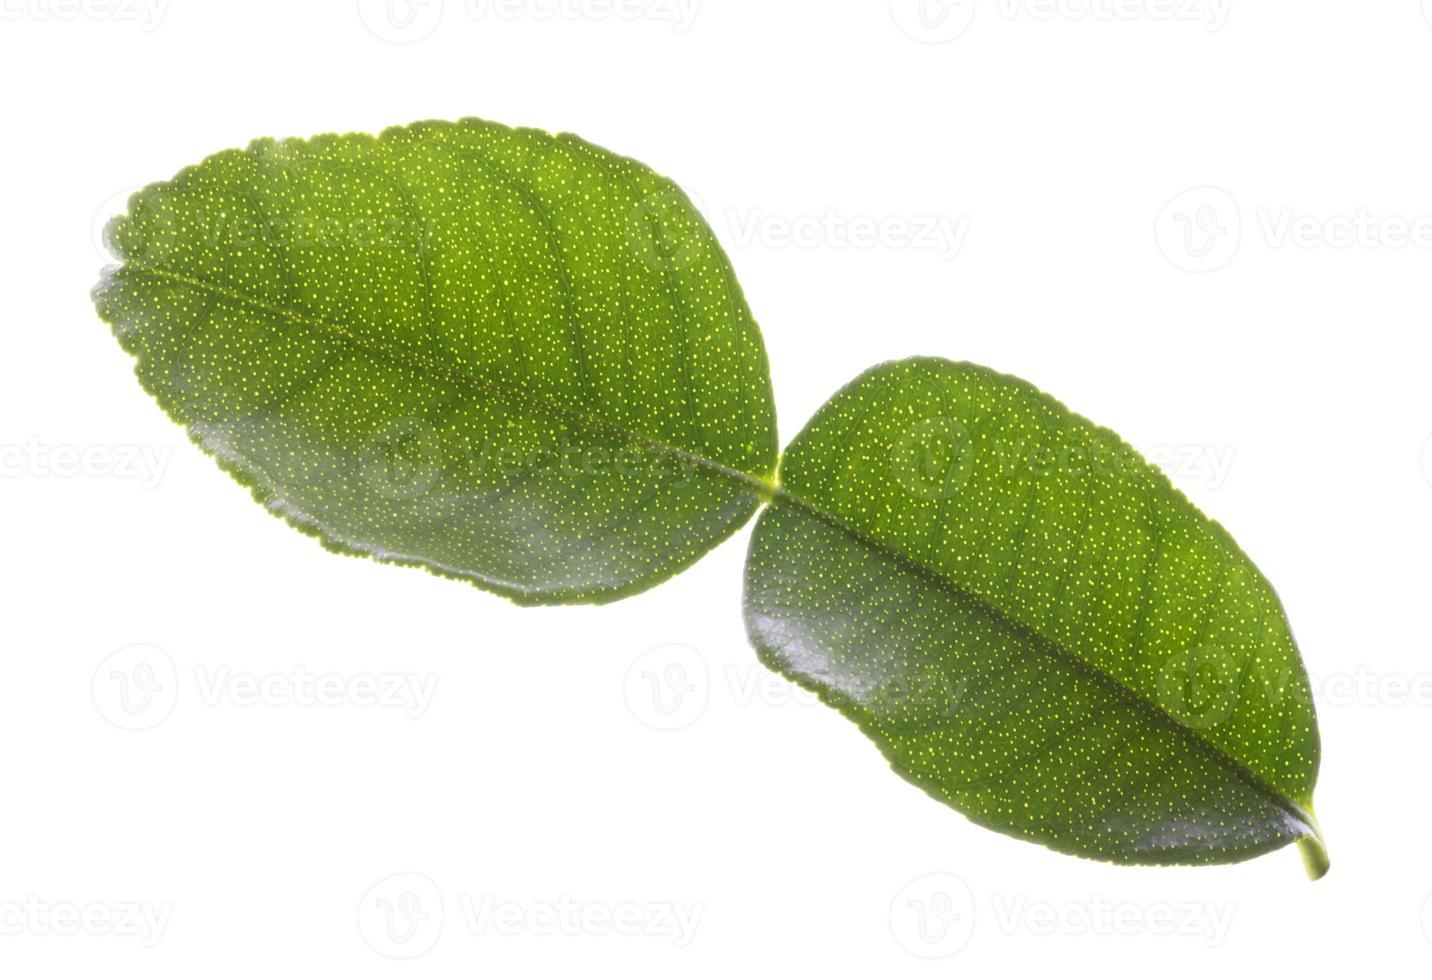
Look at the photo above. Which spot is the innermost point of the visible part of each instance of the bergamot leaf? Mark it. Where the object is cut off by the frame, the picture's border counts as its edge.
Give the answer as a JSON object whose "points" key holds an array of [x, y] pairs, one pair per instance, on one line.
{"points": [[1033, 625], [503, 355]]}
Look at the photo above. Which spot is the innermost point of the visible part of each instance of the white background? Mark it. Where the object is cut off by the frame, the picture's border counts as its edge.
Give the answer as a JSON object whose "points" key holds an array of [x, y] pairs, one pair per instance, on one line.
{"points": [[1201, 224]]}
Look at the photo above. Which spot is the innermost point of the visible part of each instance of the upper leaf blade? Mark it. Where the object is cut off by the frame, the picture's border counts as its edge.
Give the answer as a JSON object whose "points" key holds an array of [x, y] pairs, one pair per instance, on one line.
{"points": [[1033, 624], [502, 355]]}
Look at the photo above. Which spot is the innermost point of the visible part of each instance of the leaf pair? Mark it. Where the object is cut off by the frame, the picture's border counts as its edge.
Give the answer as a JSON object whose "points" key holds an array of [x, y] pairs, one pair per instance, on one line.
{"points": [[520, 360]]}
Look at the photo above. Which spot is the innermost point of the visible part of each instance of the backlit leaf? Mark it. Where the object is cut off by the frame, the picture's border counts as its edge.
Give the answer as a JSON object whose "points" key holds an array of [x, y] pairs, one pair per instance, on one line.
{"points": [[503, 355], [1033, 625]]}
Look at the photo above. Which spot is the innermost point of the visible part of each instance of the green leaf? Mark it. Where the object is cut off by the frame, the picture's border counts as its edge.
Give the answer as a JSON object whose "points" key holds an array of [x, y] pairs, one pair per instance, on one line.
{"points": [[1033, 625], [506, 356]]}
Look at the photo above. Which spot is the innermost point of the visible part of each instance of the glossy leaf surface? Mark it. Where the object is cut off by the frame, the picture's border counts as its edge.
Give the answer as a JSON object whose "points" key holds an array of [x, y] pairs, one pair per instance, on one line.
{"points": [[503, 355], [1033, 625]]}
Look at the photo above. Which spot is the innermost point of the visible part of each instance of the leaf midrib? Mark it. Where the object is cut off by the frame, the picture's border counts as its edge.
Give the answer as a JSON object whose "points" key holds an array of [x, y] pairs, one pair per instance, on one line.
{"points": [[763, 487], [767, 488]]}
